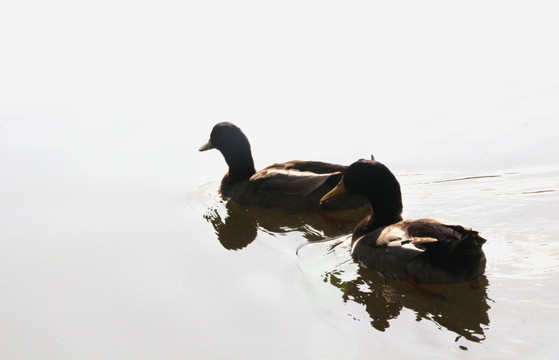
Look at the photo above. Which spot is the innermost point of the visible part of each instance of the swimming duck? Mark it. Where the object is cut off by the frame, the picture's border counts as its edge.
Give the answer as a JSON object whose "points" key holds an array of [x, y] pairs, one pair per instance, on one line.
{"points": [[294, 186], [423, 250]]}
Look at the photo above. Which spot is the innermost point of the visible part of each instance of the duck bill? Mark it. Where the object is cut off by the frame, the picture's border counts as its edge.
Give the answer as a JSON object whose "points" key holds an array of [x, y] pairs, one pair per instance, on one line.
{"points": [[206, 146], [335, 193]]}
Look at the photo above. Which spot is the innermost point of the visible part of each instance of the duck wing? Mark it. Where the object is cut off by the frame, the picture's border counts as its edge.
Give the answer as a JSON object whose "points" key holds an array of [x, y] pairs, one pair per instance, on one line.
{"points": [[456, 256], [397, 236], [389, 249], [430, 251], [450, 237], [317, 167], [291, 182]]}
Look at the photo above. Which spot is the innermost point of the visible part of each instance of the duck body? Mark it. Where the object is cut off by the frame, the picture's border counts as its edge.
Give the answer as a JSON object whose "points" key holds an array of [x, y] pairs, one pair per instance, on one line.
{"points": [[294, 186], [427, 250]]}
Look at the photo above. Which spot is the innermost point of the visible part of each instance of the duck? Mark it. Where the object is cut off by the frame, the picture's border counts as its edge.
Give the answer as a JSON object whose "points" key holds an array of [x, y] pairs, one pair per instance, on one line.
{"points": [[425, 250], [293, 186]]}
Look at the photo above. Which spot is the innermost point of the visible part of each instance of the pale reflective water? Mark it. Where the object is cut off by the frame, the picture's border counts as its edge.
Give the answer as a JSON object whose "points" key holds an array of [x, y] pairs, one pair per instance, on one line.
{"points": [[130, 268], [115, 244], [510, 310]]}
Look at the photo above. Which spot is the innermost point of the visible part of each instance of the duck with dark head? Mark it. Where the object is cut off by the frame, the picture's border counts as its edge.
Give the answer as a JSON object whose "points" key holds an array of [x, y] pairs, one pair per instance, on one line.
{"points": [[423, 250], [294, 186]]}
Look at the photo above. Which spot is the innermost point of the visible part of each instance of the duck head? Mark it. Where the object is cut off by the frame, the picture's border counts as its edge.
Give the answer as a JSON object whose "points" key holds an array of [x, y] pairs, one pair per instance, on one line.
{"points": [[376, 182], [233, 145]]}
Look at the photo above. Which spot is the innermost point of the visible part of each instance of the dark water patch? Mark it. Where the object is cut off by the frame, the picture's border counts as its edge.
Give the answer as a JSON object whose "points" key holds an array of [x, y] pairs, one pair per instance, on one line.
{"points": [[465, 312], [236, 226], [538, 191], [466, 178]]}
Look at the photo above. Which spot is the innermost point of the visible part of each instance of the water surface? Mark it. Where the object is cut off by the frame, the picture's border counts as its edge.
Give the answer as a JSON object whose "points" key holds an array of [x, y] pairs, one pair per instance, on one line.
{"points": [[134, 263], [505, 306]]}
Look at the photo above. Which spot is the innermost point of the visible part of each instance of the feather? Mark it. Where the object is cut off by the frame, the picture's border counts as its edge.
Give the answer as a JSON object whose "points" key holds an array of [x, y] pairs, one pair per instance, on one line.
{"points": [[293, 186], [292, 182], [426, 249]]}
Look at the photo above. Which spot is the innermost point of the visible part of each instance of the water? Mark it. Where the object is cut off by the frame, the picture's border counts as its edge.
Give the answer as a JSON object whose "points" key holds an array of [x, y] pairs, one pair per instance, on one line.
{"points": [[128, 267], [505, 307], [115, 244]]}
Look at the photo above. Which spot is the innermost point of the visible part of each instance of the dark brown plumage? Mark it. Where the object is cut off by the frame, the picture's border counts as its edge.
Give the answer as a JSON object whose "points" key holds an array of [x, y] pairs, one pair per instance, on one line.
{"points": [[294, 186], [428, 250]]}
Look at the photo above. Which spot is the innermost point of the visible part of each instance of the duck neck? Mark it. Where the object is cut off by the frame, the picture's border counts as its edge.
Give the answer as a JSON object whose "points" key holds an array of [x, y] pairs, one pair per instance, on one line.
{"points": [[241, 165], [375, 221], [386, 212], [380, 220]]}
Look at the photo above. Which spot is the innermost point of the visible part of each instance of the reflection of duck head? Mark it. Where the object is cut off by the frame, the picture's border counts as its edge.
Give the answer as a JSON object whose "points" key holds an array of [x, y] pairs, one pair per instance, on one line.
{"points": [[236, 225], [464, 312]]}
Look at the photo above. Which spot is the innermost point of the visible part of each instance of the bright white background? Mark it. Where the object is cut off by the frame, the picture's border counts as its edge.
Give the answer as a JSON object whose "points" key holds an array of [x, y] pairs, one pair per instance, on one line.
{"points": [[437, 84]]}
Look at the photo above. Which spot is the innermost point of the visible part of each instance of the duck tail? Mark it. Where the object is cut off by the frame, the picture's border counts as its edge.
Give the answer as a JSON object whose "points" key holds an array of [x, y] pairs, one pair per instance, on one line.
{"points": [[458, 253], [466, 252], [477, 240], [466, 237]]}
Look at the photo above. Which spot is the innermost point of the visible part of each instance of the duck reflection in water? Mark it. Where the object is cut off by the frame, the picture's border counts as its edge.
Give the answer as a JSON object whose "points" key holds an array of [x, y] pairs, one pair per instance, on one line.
{"points": [[463, 311], [236, 226]]}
